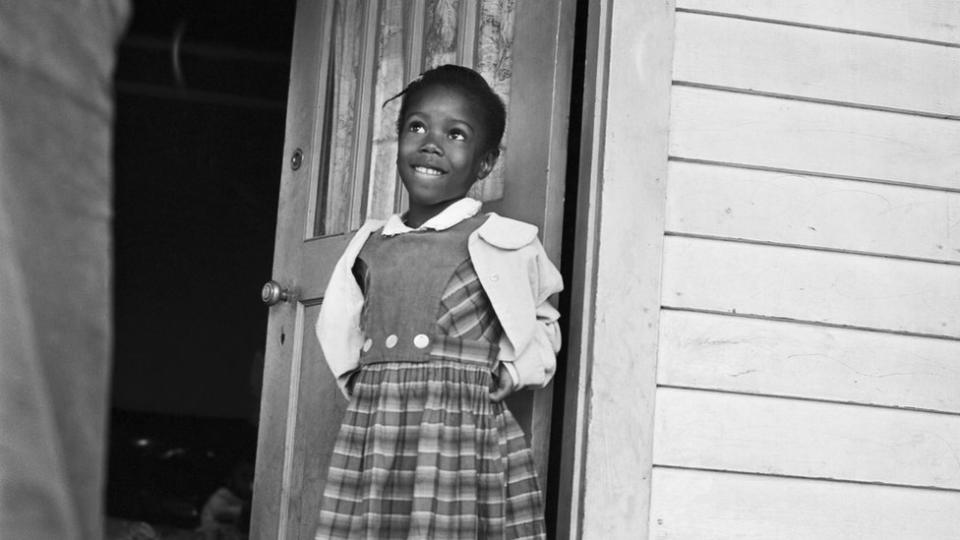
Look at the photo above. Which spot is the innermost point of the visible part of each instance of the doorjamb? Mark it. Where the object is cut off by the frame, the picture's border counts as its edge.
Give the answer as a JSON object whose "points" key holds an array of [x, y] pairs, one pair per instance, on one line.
{"points": [[606, 463]]}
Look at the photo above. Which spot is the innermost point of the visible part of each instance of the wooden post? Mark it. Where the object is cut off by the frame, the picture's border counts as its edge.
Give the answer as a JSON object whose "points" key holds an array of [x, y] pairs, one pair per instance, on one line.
{"points": [[616, 307]]}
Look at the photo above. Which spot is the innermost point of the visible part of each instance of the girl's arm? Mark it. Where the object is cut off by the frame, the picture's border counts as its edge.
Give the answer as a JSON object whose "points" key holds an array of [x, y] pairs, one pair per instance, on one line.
{"points": [[338, 324], [536, 364]]}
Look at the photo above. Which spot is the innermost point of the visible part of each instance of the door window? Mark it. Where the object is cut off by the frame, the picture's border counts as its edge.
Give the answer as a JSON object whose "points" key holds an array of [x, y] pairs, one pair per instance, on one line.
{"points": [[376, 48]]}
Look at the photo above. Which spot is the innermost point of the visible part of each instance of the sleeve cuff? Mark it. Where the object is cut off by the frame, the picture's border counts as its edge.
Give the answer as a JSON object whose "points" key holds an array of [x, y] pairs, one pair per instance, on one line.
{"points": [[514, 374]]}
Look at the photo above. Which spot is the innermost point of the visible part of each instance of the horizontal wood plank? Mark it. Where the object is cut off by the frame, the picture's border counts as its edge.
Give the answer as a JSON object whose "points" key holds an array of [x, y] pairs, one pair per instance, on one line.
{"points": [[934, 20], [813, 211], [719, 506], [807, 285], [817, 64], [719, 352], [812, 439], [814, 137]]}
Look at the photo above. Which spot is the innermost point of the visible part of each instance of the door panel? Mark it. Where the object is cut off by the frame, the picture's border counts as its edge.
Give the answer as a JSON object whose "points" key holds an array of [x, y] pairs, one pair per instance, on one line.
{"points": [[311, 442], [349, 59]]}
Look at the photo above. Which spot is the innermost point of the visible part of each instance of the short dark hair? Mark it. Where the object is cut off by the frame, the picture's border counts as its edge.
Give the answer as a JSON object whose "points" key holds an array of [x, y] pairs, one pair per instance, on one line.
{"points": [[470, 83]]}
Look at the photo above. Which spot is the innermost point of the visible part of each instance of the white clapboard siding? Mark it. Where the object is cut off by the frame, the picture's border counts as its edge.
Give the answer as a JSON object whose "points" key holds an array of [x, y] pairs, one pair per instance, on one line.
{"points": [[809, 285], [811, 439], [817, 64], [720, 352], [796, 135], [932, 20], [695, 505], [813, 211]]}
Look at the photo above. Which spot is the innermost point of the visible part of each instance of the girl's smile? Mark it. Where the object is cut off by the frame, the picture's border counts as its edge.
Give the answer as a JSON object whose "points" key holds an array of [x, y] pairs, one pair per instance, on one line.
{"points": [[442, 151], [429, 171]]}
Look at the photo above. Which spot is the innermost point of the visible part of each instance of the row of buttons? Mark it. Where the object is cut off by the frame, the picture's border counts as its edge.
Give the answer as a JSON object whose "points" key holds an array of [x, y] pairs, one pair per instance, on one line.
{"points": [[420, 341]]}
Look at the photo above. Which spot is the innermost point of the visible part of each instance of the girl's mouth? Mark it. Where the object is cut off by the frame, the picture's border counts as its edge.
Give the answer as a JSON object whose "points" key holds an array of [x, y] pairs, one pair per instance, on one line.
{"points": [[429, 171]]}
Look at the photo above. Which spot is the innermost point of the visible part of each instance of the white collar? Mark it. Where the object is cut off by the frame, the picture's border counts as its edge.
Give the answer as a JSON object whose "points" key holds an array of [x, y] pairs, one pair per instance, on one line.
{"points": [[461, 210]]}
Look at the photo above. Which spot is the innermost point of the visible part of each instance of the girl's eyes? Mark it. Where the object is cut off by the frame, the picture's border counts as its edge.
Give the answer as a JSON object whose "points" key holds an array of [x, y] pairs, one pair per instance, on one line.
{"points": [[455, 134]]}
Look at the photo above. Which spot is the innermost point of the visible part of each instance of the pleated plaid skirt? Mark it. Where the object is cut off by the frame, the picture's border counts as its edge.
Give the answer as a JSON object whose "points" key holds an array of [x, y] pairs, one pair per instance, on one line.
{"points": [[422, 451]]}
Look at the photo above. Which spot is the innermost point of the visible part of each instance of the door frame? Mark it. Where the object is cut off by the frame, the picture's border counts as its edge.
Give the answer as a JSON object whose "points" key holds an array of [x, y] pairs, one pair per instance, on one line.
{"points": [[536, 194], [606, 456]]}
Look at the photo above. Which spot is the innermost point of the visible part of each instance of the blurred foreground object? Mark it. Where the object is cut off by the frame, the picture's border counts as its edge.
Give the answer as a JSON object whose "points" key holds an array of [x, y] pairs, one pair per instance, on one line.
{"points": [[56, 113]]}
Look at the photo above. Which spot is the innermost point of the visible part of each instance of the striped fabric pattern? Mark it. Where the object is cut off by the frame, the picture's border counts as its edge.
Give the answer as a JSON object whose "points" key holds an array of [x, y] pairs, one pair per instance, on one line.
{"points": [[465, 310], [468, 329], [423, 452]]}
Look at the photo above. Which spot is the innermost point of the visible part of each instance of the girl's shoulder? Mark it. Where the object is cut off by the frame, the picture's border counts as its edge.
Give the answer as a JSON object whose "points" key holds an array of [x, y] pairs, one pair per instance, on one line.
{"points": [[365, 230], [360, 238], [507, 233], [371, 225]]}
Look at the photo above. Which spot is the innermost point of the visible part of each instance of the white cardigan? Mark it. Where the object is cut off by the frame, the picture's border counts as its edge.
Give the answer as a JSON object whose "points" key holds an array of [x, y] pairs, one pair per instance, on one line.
{"points": [[516, 275]]}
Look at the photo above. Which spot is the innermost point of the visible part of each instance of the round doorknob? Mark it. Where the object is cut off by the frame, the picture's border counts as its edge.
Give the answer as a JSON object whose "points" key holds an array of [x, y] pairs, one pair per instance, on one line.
{"points": [[273, 293]]}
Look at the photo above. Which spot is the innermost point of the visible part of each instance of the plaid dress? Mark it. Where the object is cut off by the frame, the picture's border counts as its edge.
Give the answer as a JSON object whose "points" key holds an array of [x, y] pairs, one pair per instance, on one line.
{"points": [[422, 451]]}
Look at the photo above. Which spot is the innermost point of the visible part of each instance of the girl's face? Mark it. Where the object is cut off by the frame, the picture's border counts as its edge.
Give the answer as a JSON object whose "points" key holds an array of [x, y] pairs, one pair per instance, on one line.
{"points": [[441, 151]]}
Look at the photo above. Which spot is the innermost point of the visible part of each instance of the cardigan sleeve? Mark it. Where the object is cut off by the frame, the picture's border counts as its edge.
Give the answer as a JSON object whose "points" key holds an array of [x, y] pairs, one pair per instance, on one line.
{"points": [[519, 279], [338, 324], [536, 364]]}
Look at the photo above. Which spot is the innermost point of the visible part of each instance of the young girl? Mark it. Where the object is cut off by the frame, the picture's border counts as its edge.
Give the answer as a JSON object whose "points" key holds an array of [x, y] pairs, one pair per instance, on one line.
{"points": [[430, 319]]}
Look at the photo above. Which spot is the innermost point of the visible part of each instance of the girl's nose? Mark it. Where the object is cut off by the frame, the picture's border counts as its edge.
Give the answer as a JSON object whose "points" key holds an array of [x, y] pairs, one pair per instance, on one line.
{"points": [[430, 147]]}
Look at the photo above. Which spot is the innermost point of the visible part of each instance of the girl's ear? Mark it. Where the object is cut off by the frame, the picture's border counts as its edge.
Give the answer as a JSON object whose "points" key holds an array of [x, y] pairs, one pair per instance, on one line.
{"points": [[486, 165]]}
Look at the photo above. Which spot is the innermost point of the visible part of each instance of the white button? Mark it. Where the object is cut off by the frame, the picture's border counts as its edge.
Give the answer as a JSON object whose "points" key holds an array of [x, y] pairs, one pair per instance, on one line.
{"points": [[391, 341], [420, 341], [367, 344], [494, 277]]}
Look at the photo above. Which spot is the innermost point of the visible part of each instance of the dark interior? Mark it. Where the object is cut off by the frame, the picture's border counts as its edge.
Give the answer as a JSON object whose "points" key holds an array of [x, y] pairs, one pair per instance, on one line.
{"points": [[200, 107]]}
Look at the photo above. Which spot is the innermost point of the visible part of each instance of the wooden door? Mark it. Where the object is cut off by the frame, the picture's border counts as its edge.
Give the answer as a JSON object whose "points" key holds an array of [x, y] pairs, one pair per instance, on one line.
{"points": [[349, 57]]}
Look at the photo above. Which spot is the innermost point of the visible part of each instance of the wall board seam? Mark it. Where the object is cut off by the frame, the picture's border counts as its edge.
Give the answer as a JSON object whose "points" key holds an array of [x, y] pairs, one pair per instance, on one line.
{"points": [[802, 172], [821, 101], [806, 478], [824, 28], [774, 318], [842, 251], [807, 399]]}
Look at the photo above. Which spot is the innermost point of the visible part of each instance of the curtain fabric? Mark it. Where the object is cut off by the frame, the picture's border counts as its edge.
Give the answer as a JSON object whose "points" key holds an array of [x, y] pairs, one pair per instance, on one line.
{"points": [[56, 113]]}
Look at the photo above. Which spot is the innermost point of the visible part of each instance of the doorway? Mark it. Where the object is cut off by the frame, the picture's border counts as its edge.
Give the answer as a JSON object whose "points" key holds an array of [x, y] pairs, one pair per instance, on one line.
{"points": [[201, 100], [201, 93], [349, 58]]}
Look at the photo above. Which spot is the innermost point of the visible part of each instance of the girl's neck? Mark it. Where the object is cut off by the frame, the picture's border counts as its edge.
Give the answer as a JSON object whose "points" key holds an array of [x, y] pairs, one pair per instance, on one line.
{"points": [[418, 214]]}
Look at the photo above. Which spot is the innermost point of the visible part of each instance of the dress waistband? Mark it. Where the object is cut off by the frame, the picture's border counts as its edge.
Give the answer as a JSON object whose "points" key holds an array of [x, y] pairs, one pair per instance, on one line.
{"points": [[441, 347]]}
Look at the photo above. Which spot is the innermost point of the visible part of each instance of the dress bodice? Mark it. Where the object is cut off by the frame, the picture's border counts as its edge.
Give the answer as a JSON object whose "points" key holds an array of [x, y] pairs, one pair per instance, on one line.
{"points": [[423, 298]]}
